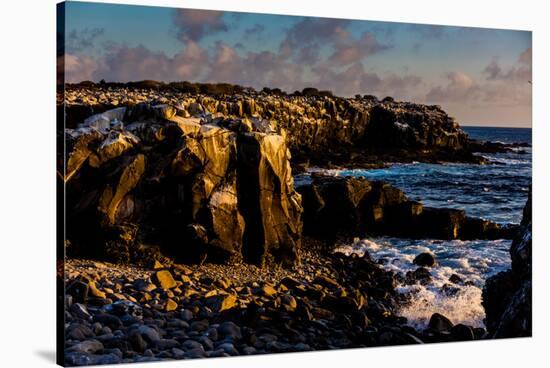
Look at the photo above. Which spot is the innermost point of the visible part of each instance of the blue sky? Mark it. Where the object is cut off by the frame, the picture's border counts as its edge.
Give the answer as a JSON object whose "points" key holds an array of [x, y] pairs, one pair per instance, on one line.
{"points": [[479, 75]]}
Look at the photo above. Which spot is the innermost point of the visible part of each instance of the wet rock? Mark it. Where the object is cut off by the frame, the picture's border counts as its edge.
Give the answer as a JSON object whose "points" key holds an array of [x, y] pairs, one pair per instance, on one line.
{"points": [[148, 333], [186, 315], [462, 332], [229, 330], [78, 359], [439, 323], [192, 344], [228, 348], [77, 331], [455, 279], [421, 275], [88, 346], [199, 325], [80, 311], [138, 342], [113, 322], [424, 259], [78, 290]]}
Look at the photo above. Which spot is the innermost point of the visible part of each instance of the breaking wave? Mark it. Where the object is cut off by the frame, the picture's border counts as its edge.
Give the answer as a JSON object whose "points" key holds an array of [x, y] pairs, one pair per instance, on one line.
{"points": [[472, 261]]}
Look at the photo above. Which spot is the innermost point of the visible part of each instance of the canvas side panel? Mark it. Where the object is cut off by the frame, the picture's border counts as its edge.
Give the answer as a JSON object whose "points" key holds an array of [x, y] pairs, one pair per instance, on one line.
{"points": [[60, 186]]}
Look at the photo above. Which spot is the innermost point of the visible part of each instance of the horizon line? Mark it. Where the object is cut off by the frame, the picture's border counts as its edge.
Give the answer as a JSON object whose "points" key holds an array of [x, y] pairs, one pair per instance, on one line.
{"points": [[473, 125]]}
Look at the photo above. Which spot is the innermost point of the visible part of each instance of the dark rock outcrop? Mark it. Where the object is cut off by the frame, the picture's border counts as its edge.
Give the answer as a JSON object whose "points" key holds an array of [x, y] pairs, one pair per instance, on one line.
{"points": [[322, 129], [337, 207], [142, 177], [507, 296]]}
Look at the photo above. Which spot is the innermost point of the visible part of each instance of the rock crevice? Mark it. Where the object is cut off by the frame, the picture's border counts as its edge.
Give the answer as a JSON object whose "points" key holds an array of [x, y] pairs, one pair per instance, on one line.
{"points": [[196, 188]]}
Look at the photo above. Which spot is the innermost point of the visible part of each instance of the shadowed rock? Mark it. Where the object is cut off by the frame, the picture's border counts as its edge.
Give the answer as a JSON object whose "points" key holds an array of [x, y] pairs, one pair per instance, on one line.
{"points": [[346, 207], [507, 296], [196, 188]]}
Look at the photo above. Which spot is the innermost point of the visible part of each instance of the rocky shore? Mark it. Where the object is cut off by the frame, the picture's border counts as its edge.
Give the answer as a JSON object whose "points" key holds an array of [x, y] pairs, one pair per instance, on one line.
{"points": [[186, 236], [321, 129], [124, 313]]}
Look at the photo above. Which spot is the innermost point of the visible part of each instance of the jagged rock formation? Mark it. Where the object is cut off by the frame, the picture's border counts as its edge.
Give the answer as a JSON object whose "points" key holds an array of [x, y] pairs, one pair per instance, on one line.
{"points": [[144, 175], [337, 207], [321, 129], [507, 295]]}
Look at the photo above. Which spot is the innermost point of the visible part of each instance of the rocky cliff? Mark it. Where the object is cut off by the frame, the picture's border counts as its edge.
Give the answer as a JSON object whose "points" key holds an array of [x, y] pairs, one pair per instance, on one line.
{"points": [[209, 175], [507, 295], [198, 188], [320, 129]]}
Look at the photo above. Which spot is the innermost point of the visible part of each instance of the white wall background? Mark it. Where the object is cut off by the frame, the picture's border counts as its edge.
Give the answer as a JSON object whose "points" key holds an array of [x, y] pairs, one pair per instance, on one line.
{"points": [[27, 180]]}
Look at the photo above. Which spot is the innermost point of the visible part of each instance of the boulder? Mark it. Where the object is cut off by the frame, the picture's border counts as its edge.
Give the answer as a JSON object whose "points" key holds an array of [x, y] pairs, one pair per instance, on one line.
{"points": [[221, 302], [164, 279], [462, 332], [440, 323], [424, 259]]}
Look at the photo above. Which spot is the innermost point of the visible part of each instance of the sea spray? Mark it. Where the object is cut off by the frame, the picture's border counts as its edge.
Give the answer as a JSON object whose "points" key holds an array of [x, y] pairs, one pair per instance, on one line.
{"points": [[471, 262]]}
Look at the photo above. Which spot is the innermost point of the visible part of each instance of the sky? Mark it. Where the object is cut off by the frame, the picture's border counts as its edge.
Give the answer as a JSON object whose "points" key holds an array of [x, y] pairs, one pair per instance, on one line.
{"points": [[480, 76]]}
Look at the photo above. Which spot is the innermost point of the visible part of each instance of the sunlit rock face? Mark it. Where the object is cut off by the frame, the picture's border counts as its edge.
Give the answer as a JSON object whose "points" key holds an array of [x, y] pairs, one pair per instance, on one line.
{"points": [[142, 181], [320, 128]]}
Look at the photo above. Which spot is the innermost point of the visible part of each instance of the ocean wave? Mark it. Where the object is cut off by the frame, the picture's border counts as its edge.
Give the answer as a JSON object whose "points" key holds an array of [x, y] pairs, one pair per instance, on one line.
{"points": [[472, 261]]}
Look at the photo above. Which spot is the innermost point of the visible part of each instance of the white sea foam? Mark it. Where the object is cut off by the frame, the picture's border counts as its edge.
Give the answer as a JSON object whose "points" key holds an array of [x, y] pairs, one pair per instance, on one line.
{"points": [[472, 261]]}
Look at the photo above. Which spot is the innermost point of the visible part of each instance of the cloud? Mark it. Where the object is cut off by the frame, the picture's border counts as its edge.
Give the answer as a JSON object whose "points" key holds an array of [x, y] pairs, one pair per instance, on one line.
{"points": [[256, 69], [255, 31], [78, 40], [526, 57], [305, 38], [193, 24], [493, 70], [348, 50], [123, 63], [310, 30], [309, 54], [498, 89], [520, 71], [428, 31], [78, 67], [356, 80], [460, 86]]}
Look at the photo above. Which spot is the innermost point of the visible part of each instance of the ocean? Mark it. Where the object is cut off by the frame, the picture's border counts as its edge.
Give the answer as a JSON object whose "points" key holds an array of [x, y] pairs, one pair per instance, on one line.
{"points": [[495, 191]]}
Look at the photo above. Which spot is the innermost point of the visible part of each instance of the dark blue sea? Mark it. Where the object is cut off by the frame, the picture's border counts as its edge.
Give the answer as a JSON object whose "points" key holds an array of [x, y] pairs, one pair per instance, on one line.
{"points": [[496, 191]]}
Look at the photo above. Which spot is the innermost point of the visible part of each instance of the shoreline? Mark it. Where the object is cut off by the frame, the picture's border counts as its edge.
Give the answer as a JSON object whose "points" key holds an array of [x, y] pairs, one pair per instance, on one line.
{"points": [[165, 178], [328, 302]]}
